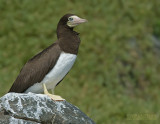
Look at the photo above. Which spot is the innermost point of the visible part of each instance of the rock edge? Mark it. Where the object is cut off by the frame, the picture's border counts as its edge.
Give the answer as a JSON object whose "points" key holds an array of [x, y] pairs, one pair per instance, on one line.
{"points": [[39, 109]]}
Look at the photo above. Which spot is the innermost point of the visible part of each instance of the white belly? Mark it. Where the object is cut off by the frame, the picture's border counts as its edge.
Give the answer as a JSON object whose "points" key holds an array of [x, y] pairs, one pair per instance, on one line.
{"points": [[62, 67]]}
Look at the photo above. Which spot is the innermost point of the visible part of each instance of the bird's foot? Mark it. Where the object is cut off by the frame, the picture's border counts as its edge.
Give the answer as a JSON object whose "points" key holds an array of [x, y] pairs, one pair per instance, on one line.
{"points": [[54, 97]]}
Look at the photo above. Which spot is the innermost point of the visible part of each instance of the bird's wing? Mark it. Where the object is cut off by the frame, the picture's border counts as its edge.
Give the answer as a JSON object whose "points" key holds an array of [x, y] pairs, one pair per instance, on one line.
{"points": [[36, 68]]}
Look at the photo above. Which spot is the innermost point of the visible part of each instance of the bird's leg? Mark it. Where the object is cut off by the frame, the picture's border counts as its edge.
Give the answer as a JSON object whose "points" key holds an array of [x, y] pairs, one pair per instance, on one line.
{"points": [[52, 90], [54, 97]]}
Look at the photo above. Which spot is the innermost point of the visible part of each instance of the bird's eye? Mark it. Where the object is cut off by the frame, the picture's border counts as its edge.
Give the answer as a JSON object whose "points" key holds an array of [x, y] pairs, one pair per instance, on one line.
{"points": [[70, 19]]}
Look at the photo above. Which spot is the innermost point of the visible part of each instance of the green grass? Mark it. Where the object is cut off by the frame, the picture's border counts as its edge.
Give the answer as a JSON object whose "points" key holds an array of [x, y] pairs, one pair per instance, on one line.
{"points": [[118, 65]]}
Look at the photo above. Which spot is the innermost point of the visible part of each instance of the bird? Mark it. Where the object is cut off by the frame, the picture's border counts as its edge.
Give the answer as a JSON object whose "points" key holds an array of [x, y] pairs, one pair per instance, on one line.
{"points": [[48, 68]]}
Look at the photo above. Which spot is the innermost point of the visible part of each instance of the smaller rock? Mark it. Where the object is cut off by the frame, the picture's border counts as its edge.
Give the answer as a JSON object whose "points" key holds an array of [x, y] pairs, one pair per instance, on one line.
{"points": [[33, 108]]}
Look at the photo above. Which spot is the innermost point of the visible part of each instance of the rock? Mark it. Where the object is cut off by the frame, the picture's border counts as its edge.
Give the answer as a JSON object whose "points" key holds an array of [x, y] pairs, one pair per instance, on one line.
{"points": [[33, 108]]}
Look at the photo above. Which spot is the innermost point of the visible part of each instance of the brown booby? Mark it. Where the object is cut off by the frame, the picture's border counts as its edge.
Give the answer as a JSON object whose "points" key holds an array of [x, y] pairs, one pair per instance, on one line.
{"points": [[48, 68]]}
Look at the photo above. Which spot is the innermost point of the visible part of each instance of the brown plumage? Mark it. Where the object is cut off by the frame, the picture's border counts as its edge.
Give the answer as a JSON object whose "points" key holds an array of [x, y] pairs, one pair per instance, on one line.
{"points": [[37, 67]]}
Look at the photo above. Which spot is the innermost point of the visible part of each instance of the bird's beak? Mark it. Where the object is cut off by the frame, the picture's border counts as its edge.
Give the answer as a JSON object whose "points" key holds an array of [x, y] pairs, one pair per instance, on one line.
{"points": [[78, 21]]}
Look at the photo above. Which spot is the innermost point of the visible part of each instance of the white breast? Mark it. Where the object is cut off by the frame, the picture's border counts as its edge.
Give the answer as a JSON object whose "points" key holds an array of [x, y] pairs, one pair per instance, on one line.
{"points": [[61, 68]]}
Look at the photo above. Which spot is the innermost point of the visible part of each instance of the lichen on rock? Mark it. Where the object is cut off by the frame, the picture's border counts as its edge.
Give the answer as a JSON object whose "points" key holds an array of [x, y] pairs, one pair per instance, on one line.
{"points": [[39, 109]]}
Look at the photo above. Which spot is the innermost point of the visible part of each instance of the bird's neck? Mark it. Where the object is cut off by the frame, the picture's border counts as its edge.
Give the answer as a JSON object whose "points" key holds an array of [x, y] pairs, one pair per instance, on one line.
{"points": [[68, 40]]}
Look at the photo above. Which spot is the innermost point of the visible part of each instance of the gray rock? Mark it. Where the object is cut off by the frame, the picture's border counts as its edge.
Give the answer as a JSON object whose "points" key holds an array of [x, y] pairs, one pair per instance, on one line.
{"points": [[38, 109]]}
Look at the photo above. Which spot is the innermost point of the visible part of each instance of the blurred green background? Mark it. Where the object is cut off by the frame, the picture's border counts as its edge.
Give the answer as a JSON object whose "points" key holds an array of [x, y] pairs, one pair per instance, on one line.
{"points": [[117, 71]]}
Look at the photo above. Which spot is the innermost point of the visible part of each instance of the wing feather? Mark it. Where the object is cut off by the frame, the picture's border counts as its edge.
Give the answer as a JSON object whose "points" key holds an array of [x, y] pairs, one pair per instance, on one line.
{"points": [[36, 68]]}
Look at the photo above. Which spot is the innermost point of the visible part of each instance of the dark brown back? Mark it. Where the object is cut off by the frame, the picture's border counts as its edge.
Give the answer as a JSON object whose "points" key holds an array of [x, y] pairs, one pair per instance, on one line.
{"points": [[36, 68]]}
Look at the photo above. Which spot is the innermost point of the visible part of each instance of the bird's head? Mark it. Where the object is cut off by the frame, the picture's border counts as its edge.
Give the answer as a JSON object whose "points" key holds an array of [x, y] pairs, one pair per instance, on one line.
{"points": [[71, 20]]}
